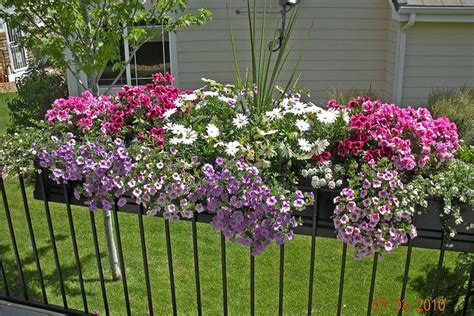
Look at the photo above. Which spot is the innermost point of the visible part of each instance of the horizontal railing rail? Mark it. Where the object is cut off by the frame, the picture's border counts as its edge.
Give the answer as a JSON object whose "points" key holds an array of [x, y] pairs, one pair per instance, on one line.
{"points": [[316, 222]]}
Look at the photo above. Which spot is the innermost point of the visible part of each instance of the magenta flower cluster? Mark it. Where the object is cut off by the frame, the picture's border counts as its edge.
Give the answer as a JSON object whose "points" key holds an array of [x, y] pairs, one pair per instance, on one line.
{"points": [[116, 115], [408, 137], [246, 210], [371, 215]]}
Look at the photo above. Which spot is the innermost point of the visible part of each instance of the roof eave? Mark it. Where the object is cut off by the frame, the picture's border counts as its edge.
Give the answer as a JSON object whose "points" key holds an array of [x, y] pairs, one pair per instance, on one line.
{"points": [[436, 10]]}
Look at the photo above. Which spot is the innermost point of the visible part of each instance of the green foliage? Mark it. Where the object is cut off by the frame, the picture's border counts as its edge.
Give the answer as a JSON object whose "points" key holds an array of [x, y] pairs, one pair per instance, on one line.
{"points": [[36, 92], [267, 62], [18, 151], [458, 106], [344, 96], [92, 29]]}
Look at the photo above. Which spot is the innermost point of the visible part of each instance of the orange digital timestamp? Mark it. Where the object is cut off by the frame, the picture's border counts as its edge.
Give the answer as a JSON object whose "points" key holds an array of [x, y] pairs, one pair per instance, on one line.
{"points": [[420, 305]]}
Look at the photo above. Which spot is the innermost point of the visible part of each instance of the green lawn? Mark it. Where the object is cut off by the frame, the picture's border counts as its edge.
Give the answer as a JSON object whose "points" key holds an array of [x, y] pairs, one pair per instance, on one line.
{"points": [[297, 252], [4, 118]]}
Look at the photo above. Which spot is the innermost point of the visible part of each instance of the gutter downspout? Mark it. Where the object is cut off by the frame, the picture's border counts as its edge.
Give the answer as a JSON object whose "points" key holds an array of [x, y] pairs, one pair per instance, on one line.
{"points": [[401, 58]]}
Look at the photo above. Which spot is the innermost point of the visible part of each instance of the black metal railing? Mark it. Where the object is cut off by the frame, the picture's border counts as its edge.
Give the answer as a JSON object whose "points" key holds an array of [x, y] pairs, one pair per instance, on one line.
{"points": [[316, 222]]}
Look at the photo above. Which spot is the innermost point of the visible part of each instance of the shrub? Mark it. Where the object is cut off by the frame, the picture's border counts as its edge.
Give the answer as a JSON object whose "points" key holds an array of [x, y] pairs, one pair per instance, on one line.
{"points": [[458, 105], [36, 92], [344, 96]]}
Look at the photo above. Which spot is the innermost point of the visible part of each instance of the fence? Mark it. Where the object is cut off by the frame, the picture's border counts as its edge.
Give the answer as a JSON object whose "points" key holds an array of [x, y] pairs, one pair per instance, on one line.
{"points": [[316, 222]]}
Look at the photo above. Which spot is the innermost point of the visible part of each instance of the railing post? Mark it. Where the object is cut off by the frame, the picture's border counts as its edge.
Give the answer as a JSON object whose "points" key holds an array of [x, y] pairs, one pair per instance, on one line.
{"points": [[121, 261], [196, 266], [313, 252], [52, 237], [13, 239], [32, 239], [170, 266], [145, 260], [74, 246], [224, 274]]}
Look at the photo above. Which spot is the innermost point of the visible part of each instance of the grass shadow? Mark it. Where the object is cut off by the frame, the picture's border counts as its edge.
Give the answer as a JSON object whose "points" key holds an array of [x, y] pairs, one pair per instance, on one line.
{"points": [[451, 286]]}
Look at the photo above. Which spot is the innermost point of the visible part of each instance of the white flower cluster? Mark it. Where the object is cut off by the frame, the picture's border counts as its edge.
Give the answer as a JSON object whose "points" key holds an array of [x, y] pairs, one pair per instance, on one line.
{"points": [[182, 135], [325, 174]]}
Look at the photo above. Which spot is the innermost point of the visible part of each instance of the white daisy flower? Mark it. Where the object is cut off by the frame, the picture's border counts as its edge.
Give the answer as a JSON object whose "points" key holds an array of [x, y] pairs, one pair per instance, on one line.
{"points": [[210, 93], [229, 101], [327, 116], [304, 145], [302, 125], [232, 148], [189, 97], [274, 114], [313, 108], [286, 151], [240, 120], [168, 113], [176, 129], [319, 146], [212, 131], [189, 136]]}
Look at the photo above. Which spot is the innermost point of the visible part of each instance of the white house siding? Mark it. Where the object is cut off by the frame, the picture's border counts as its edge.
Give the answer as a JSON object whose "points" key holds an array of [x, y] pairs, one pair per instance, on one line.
{"points": [[438, 55], [393, 29], [346, 49]]}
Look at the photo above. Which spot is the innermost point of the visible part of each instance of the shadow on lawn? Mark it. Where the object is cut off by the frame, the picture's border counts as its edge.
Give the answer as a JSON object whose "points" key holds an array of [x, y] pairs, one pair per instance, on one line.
{"points": [[49, 272], [451, 286]]}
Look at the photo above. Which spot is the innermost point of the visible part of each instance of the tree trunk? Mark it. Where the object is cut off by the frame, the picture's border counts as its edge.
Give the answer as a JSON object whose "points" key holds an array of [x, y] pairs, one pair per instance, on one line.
{"points": [[112, 250], [109, 230]]}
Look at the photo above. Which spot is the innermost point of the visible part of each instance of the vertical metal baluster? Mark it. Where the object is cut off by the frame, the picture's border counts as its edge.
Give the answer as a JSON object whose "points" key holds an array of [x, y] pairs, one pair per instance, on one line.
{"points": [[122, 263], [32, 239], [196, 266], [13, 239], [170, 266], [372, 283], [52, 237], [252, 284], [282, 277], [145, 259], [224, 274], [99, 262], [74, 246], [468, 290], [313, 250], [341, 278], [4, 278], [438, 270], [405, 275]]}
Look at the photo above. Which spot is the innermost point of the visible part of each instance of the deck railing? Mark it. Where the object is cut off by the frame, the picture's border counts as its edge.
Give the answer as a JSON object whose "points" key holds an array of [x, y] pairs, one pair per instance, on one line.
{"points": [[316, 222]]}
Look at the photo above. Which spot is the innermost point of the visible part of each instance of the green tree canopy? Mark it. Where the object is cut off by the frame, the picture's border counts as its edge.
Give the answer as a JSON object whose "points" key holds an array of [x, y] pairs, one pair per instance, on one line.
{"points": [[92, 29]]}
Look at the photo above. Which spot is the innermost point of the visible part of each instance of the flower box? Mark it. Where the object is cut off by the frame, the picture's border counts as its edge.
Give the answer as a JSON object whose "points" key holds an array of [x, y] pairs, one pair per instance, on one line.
{"points": [[429, 228]]}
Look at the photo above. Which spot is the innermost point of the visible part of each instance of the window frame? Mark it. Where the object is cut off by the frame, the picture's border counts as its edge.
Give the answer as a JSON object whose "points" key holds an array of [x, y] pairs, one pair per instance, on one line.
{"points": [[132, 79]]}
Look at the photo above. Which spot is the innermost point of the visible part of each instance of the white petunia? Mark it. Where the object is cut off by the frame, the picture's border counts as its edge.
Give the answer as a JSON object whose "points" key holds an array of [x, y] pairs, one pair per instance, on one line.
{"points": [[304, 145], [274, 114], [232, 148], [319, 146], [302, 125], [240, 120], [212, 131], [327, 116]]}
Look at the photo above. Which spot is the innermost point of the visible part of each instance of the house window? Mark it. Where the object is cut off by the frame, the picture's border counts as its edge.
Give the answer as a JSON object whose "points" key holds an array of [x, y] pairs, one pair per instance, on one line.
{"points": [[18, 54], [152, 57]]}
